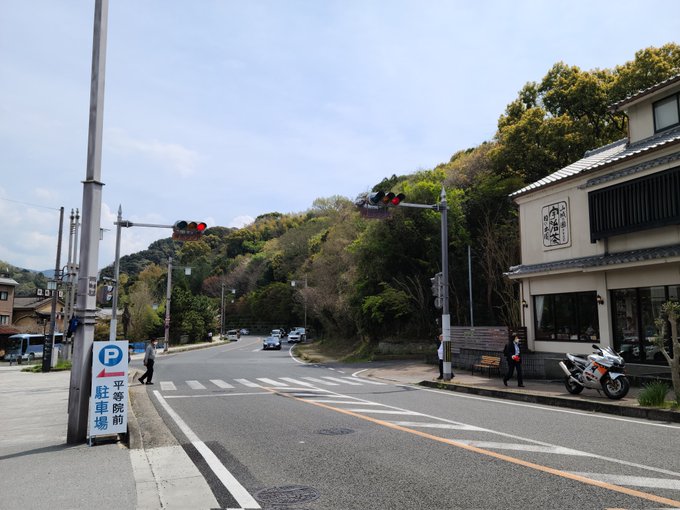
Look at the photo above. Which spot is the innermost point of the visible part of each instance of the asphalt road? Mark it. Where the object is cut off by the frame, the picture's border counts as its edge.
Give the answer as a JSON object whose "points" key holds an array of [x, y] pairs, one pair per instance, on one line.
{"points": [[269, 432]]}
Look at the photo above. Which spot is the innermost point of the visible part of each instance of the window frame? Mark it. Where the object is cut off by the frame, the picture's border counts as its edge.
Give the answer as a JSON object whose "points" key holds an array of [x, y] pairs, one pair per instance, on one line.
{"points": [[675, 96], [4, 295]]}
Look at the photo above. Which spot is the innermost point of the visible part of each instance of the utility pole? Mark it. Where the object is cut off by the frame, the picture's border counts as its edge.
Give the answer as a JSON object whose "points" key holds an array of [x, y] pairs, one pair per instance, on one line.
{"points": [[113, 327], [222, 312], [49, 345], [85, 309], [446, 318], [168, 294]]}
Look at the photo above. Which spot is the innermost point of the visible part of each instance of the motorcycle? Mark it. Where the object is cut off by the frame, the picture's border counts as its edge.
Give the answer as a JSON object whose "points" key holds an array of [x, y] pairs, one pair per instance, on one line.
{"points": [[603, 370]]}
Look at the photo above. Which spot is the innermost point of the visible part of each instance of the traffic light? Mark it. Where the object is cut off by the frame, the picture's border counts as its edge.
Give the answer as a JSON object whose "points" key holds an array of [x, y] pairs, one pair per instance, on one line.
{"points": [[382, 199], [438, 289], [188, 230]]}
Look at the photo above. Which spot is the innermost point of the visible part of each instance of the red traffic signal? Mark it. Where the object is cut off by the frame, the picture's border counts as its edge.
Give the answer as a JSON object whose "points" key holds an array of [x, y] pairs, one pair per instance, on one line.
{"points": [[397, 199], [188, 230]]}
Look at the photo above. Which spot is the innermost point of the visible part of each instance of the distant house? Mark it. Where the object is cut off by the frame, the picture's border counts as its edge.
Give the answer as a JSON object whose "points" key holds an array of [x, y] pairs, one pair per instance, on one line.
{"points": [[32, 314], [7, 286], [600, 238]]}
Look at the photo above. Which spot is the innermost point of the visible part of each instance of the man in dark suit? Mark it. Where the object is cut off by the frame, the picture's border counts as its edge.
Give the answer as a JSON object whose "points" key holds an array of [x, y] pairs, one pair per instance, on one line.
{"points": [[511, 351]]}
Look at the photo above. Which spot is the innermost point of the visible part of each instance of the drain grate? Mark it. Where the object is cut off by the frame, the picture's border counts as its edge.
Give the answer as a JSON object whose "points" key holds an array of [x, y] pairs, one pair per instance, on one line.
{"points": [[337, 431], [287, 495]]}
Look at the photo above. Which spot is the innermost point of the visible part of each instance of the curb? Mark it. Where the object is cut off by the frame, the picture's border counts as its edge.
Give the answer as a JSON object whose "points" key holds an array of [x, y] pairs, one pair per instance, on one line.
{"points": [[647, 413]]}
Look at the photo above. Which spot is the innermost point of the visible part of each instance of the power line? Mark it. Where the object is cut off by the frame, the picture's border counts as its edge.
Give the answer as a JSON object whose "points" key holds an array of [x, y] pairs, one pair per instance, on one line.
{"points": [[30, 204]]}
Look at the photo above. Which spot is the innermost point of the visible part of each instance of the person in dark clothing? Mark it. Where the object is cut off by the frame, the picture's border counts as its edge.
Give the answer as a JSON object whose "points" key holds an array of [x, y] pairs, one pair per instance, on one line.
{"points": [[149, 359], [511, 351]]}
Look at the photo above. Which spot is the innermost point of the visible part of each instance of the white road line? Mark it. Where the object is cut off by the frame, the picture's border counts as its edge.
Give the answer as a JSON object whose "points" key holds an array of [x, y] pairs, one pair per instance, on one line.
{"points": [[636, 481], [240, 494], [366, 381], [319, 381], [295, 381], [352, 402], [168, 386], [246, 382], [221, 384], [344, 381], [214, 395], [490, 445], [272, 382], [386, 411], [195, 385], [449, 426]]}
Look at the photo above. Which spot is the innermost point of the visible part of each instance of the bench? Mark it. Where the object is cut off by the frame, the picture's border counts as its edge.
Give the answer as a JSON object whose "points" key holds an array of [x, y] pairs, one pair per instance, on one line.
{"points": [[488, 363]]}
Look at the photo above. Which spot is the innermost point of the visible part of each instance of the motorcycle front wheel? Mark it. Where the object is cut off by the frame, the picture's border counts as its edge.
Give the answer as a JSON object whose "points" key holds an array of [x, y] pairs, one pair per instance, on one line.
{"points": [[572, 387], [616, 388]]}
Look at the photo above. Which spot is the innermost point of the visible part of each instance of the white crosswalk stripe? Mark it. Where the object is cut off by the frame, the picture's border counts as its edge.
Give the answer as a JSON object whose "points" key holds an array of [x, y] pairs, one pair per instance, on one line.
{"points": [[246, 382], [343, 380], [272, 382], [320, 381], [168, 386], [386, 411], [221, 384], [449, 426], [365, 381], [195, 385], [297, 382]]}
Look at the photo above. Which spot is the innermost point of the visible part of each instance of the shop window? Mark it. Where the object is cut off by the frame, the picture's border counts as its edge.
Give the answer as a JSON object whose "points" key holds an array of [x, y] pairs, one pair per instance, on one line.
{"points": [[635, 313], [570, 317]]}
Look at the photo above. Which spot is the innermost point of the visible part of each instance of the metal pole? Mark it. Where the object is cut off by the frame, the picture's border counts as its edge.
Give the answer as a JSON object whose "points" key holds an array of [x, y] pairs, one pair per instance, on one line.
{"points": [[49, 346], [472, 317], [305, 298], [446, 318], [86, 302], [222, 313], [113, 327], [168, 293]]}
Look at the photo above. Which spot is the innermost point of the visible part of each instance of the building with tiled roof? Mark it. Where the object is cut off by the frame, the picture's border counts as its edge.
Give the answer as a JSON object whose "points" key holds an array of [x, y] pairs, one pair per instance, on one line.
{"points": [[600, 238]]}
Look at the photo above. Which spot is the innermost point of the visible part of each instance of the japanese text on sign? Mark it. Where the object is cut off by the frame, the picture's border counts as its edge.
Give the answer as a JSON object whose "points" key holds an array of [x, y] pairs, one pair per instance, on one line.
{"points": [[555, 224], [109, 397]]}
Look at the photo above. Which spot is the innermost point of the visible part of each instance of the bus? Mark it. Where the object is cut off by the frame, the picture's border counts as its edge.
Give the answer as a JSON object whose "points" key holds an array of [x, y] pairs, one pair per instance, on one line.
{"points": [[29, 346]]}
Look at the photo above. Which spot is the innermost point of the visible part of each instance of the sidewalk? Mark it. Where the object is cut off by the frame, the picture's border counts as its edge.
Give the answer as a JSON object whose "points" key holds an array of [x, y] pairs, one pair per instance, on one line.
{"points": [[535, 391]]}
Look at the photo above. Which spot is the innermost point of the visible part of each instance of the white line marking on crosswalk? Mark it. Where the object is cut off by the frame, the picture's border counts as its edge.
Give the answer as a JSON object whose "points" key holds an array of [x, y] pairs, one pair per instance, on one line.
{"points": [[491, 445], [366, 381], [320, 381], [450, 426], [221, 384], [168, 386], [353, 402], [195, 385], [272, 382], [295, 381], [344, 381], [386, 411], [246, 382]]}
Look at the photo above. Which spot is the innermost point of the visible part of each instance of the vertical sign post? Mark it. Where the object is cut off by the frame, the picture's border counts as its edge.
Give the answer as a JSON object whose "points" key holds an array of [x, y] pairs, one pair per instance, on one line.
{"points": [[109, 396]]}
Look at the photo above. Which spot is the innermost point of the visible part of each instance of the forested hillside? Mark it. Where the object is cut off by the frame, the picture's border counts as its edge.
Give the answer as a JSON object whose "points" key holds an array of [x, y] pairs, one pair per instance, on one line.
{"points": [[368, 278]]}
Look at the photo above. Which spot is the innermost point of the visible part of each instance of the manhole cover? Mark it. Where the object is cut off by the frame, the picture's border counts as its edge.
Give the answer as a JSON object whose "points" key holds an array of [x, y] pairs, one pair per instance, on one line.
{"points": [[288, 494], [335, 431]]}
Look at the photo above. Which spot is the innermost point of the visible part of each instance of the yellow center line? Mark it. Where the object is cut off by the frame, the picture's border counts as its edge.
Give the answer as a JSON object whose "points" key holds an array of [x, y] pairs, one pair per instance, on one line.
{"points": [[496, 455]]}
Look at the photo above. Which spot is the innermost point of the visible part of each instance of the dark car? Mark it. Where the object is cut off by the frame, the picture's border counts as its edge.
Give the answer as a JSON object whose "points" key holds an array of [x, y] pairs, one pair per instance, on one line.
{"points": [[271, 342]]}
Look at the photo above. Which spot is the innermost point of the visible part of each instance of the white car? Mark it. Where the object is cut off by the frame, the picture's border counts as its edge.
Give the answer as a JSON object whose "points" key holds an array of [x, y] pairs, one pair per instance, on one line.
{"points": [[277, 333], [233, 334], [297, 335]]}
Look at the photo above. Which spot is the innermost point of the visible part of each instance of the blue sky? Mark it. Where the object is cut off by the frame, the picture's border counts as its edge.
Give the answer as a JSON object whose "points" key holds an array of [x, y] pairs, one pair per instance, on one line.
{"points": [[222, 110]]}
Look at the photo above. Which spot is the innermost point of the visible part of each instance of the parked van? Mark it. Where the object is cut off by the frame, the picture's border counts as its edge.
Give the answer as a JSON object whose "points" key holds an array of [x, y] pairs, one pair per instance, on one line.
{"points": [[233, 334]]}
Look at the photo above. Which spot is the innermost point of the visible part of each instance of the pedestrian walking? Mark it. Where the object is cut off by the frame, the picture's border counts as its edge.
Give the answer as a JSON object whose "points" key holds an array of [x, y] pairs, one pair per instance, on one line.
{"points": [[512, 354], [149, 360]]}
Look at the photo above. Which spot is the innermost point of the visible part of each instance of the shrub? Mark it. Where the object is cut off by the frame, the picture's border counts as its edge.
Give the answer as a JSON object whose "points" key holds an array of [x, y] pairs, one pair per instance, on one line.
{"points": [[653, 393]]}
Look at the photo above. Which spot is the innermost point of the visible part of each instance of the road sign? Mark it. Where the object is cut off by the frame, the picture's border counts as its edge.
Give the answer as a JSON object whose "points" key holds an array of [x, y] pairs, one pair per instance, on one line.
{"points": [[109, 396]]}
